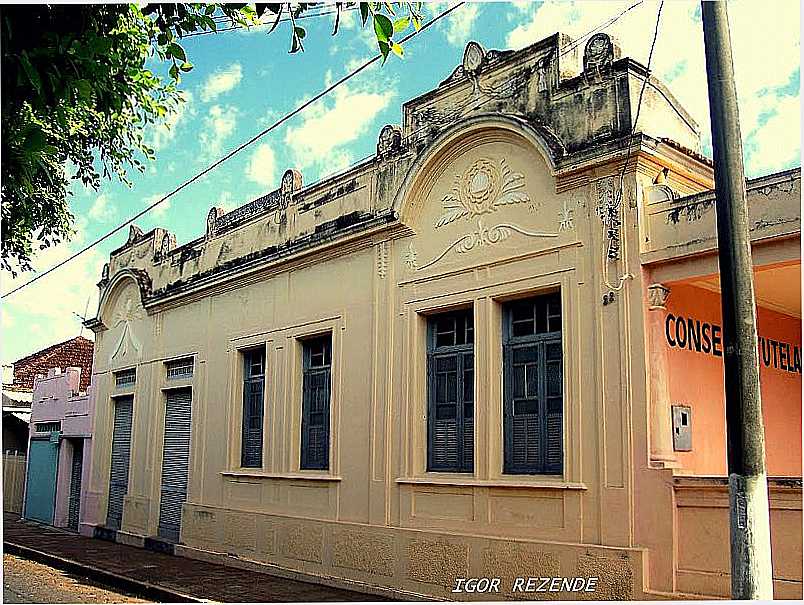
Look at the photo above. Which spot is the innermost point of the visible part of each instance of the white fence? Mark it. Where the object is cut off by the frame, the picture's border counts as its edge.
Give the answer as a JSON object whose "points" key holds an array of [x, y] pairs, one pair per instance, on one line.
{"points": [[13, 482]]}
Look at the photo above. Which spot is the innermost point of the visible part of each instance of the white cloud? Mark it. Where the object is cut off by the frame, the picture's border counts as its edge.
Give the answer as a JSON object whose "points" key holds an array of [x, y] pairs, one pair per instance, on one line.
{"points": [[775, 145], [160, 210], [102, 209], [458, 25], [330, 125], [221, 81], [766, 49], [219, 124], [52, 300], [262, 166], [164, 133]]}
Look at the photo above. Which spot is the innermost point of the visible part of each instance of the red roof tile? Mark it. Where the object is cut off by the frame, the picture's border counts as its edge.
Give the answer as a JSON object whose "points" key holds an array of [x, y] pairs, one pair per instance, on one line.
{"points": [[76, 352]]}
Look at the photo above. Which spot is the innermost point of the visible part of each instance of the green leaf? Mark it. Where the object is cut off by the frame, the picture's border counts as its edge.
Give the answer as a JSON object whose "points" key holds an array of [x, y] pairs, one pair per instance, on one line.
{"points": [[300, 32], [34, 141], [384, 49], [84, 89], [177, 51], [397, 49], [383, 28], [186, 66], [364, 12], [401, 24], [30, 71], [174, 72]]}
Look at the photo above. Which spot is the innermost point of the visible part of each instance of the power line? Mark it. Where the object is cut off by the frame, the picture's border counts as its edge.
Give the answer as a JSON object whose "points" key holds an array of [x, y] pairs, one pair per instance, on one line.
{"points": [[229, 155], [571, 47]]}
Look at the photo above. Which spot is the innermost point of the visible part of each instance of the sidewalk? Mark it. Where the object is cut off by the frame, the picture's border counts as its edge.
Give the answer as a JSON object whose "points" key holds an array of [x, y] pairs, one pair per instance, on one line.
{"points": [[158, 576]]}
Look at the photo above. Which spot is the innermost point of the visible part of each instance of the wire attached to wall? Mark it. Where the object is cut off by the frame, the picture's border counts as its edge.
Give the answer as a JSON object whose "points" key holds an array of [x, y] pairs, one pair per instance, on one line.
{"points": [[619, 191]]}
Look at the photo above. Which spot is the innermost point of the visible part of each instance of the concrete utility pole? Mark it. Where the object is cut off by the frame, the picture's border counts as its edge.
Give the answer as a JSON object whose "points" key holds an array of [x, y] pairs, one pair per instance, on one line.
{"points": [[751, 570]]}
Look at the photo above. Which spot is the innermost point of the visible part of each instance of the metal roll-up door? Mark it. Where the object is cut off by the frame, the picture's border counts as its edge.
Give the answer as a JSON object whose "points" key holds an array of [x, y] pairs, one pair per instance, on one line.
{"points": [[175, 462], [121, 454], [74, 504]]}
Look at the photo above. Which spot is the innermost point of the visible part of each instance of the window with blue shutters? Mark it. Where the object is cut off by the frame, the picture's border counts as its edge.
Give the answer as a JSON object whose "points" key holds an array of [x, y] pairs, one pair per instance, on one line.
{"points": [[451, 387], [316, 379], [533, 386], [253, 406]]}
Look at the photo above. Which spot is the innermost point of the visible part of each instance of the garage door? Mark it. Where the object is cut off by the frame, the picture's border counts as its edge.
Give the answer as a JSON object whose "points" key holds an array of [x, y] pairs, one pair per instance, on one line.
{"points": [[40, 491], [121, 453], [175, 462]]}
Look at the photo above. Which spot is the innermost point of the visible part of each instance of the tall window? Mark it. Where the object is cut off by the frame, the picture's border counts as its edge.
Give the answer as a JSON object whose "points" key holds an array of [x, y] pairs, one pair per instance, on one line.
{"points": [[533, 398], [451, 386], [317, 365], [253, 397]]}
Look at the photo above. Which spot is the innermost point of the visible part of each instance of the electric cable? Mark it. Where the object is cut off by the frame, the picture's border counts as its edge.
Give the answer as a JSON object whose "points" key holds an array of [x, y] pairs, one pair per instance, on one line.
{"points": [[301, 108], [229, 155]]}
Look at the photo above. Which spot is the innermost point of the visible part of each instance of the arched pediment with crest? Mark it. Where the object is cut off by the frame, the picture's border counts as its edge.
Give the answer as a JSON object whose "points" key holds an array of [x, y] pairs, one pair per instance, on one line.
{"points": [[122, 313], [484, 189]]}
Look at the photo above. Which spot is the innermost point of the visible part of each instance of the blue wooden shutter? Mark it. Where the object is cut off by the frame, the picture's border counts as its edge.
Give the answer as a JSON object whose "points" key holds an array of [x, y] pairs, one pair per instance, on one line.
{"points": [[253, 404], [450, 377], [315, 403], [444, 413], [533, 387]]}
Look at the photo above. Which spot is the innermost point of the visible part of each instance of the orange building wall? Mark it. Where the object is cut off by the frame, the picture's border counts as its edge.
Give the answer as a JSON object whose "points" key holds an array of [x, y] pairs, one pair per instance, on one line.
{"points": [[696, 379]]}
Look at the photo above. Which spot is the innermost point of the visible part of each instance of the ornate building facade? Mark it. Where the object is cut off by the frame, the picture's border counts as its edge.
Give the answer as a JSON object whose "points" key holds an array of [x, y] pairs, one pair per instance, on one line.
{"points": [[450, 360]]}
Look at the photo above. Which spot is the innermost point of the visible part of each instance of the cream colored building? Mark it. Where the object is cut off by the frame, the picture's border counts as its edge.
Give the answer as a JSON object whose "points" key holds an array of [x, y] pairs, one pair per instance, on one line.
{"points": [[442, 362]]}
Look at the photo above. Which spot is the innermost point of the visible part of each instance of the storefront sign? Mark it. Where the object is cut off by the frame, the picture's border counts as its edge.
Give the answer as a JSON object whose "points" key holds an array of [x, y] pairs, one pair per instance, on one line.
{"points": [[703, 337]]}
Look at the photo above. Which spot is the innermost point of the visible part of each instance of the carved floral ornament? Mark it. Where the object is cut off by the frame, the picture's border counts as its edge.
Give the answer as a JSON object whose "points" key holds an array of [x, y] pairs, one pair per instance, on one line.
{"points": [[482, 189]]}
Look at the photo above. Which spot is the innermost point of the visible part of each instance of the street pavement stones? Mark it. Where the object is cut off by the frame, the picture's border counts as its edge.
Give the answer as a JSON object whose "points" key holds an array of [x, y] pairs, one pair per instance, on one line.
{"points": [[26, 581], [159, 576]]}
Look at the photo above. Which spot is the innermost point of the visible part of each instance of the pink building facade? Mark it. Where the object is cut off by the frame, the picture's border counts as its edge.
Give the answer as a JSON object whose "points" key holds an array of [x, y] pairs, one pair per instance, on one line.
{"points": [[60, 446]]}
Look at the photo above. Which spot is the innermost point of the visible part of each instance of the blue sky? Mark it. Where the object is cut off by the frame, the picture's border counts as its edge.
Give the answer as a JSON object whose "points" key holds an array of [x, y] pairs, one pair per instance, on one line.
{"points": [[243, 81]]}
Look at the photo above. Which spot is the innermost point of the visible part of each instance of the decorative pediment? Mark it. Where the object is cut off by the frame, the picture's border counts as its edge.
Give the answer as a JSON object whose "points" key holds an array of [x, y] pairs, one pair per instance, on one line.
{"points": [[475, 59], [134, 233], [291, 182], [390, 140]]}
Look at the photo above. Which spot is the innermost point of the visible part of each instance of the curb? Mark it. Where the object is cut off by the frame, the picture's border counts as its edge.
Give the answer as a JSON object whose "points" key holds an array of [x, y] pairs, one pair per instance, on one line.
{"points": [[141, 588]]}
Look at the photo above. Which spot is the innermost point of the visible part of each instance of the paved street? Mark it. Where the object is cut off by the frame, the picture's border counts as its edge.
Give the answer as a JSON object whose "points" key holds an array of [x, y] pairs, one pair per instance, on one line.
{"points": [[29, 582]]}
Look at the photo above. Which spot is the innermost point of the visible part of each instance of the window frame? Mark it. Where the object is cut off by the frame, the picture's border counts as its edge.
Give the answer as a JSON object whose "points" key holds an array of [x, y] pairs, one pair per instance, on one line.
{"points": [[249, 379], [539, 340], [308, 371], [460, 352]]}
